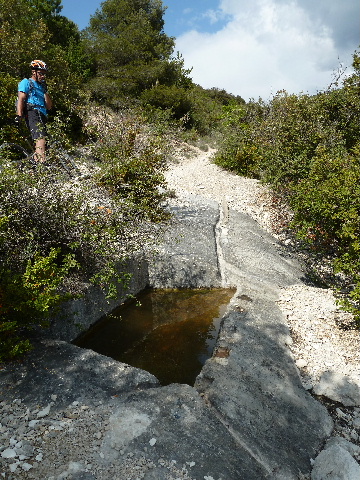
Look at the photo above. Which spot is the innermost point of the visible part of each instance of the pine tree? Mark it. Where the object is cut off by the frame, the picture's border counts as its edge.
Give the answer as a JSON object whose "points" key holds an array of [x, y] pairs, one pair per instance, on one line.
{"points": [[132, 51]]}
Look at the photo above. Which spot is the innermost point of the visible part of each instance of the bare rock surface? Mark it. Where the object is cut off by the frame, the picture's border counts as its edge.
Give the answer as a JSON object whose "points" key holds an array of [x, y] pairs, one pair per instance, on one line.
{"points": [[70, 414], [322, 340], [326, 351]]}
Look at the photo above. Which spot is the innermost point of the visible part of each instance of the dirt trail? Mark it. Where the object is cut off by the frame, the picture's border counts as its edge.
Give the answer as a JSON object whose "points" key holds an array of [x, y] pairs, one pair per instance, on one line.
{"points": [[198, 175]]}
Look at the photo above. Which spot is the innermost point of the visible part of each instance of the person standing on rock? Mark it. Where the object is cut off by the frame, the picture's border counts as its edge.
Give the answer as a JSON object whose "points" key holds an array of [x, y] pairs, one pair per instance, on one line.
{"points": [[33, 104]]}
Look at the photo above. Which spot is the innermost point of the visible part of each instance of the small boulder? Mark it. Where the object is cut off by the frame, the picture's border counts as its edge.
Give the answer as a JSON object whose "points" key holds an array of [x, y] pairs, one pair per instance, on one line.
{"points": [[340, 388], [335, 463]]}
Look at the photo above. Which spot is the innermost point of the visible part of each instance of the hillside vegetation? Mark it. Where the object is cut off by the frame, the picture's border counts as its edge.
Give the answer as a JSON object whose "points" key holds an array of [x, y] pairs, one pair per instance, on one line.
{"points": [[122, 96], [307, 148]]}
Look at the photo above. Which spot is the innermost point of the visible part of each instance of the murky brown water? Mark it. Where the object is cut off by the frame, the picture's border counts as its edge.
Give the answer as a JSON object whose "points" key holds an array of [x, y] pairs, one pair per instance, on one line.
{"points": [[169, 333]]}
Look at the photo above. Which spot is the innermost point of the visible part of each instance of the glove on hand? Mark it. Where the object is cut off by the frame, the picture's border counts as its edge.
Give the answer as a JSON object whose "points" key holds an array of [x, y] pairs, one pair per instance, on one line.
{"points": [[18, 120]]}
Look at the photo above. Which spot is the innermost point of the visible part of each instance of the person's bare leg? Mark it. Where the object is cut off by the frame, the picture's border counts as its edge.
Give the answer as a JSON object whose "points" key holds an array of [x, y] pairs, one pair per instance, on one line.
{"points": [[40, 149]]}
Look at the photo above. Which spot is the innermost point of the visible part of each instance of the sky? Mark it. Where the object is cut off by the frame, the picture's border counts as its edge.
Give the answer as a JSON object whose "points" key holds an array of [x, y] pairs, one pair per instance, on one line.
{"points": [[254, 48]]}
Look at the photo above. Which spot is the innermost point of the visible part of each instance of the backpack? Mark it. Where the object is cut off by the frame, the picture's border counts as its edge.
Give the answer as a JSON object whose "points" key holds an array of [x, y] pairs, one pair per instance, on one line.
{"points": [[32, 87]]}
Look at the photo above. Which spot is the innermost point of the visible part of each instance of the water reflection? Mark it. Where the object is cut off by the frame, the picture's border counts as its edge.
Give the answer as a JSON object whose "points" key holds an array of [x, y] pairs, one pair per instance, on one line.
{"points": [[169, 333]]}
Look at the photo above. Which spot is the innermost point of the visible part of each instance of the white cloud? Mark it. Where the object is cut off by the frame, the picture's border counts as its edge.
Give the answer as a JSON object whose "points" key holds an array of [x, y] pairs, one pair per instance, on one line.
{"points": [[268, 45], [213, 16]]}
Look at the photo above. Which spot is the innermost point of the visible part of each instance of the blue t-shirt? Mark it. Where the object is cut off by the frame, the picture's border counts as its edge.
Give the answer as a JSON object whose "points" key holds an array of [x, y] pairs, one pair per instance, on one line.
{"points": [[35, 94]]}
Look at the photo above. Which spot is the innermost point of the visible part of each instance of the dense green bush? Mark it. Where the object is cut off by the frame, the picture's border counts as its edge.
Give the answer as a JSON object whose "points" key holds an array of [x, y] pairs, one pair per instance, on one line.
{"points": [[206, 108], [28, 294], [173, 98], [8, 88], [238, 152], [196, 108], [36, 232], [326, 203], [277, 142], [326, 209]]}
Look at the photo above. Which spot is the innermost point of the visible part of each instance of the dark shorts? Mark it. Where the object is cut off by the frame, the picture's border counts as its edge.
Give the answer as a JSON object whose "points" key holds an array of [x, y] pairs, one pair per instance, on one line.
{"points": [[36, 122]]}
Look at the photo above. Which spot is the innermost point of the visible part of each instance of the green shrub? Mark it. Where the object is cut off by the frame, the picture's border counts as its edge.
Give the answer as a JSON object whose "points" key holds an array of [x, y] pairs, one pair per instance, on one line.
{"points": [[277, 142], [173, 98], [327, 215], [326, 204], [28, 298], [206, 109], [241, 158], [12, 344], [237, 152]]}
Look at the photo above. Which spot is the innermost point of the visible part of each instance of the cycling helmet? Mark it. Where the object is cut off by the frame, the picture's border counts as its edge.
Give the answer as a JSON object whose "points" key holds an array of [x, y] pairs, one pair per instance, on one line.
{"points": [[38, 65]]}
